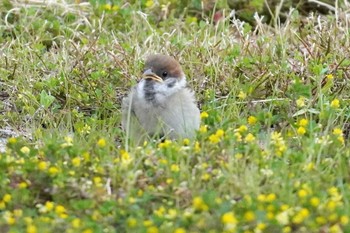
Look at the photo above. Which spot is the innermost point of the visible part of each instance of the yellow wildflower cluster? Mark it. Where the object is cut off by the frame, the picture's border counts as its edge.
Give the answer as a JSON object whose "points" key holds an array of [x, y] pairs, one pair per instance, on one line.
{"points": [[125, 158], [109, 7], [335, 104], [302, 123], [300, 216], [229, 221], [199, 204], [278, 143], [25, 150], [101, 143], [252, 120], [217, 137], [204, 115], [300, 102], [338, 133], [165, 144], [242, 130], [242, 95]]}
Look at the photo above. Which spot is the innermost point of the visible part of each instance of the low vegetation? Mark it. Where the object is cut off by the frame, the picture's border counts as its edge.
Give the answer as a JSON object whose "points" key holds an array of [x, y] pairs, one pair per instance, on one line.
{"points": [[271, 154]]}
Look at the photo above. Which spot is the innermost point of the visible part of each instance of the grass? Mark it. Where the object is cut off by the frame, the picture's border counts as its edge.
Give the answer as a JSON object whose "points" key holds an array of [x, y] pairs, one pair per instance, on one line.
{"points": [[271, 155]]}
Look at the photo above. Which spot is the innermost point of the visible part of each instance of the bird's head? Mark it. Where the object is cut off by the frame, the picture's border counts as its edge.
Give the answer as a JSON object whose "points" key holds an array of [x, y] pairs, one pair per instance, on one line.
{"points": [[162, 78]]}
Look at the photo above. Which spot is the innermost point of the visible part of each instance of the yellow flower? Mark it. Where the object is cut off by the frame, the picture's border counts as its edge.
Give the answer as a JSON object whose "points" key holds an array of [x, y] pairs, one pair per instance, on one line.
{"points": [[335, 103], [262, 198], [321, 220], [203, 129], [302, 193], [169, 181], [149, 3], [60, 209], [315, 201], [301, 130], [147, 223], [238, 155], [190, 19], [68, 142], [107, 7], [101, 143], [333, 191], [180, 230], [329, 76], [249, 138], [242, 95], [304, 212], [238, 136], [300, 102], [7, 198], [284, 207], [344, 220], [335, 229], [172, 213], [282, 218], [301, 216], [303, 122], [25, 150], [164, 144], [341, 139], [175, 168], [76, 161], [204, 115], [160, 211], [31, 229], [242, 128], [12, 140], [219, 133], [261, 226], [197, 147], [8, 217], [206, 176], [287, 229], [18, 213], [42, 165], [249, 216], [337, 131], [228, 218], [2, 205], [53, 170], [152, 229], [309, 167], [132, 200], [125, 157], [131, 222], [76, 223], [23, 185], [199, 204], [252, 120], [214, 139], [270, 197], [97, 181], [86, 156], [186, 142]]}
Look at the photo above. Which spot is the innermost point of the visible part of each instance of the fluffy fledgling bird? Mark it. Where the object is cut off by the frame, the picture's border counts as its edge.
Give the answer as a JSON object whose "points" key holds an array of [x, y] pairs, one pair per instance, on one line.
{"points": [[160, 105]]}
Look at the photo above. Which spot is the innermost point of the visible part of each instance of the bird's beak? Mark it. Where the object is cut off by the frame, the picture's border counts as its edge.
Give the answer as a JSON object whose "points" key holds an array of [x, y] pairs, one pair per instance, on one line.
{"points": [[148, 74]]}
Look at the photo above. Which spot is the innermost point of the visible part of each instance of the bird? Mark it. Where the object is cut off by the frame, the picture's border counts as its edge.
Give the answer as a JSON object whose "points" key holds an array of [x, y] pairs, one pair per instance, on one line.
{"points": [[160, 105]]}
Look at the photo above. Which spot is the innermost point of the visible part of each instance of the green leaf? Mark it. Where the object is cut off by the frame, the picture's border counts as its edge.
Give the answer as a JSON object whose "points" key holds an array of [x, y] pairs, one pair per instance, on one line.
{"points": [[46, 99]]}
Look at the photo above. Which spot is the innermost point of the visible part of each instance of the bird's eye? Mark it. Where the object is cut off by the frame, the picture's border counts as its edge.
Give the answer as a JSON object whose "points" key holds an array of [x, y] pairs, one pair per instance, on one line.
{"points": [[165, 74]]}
